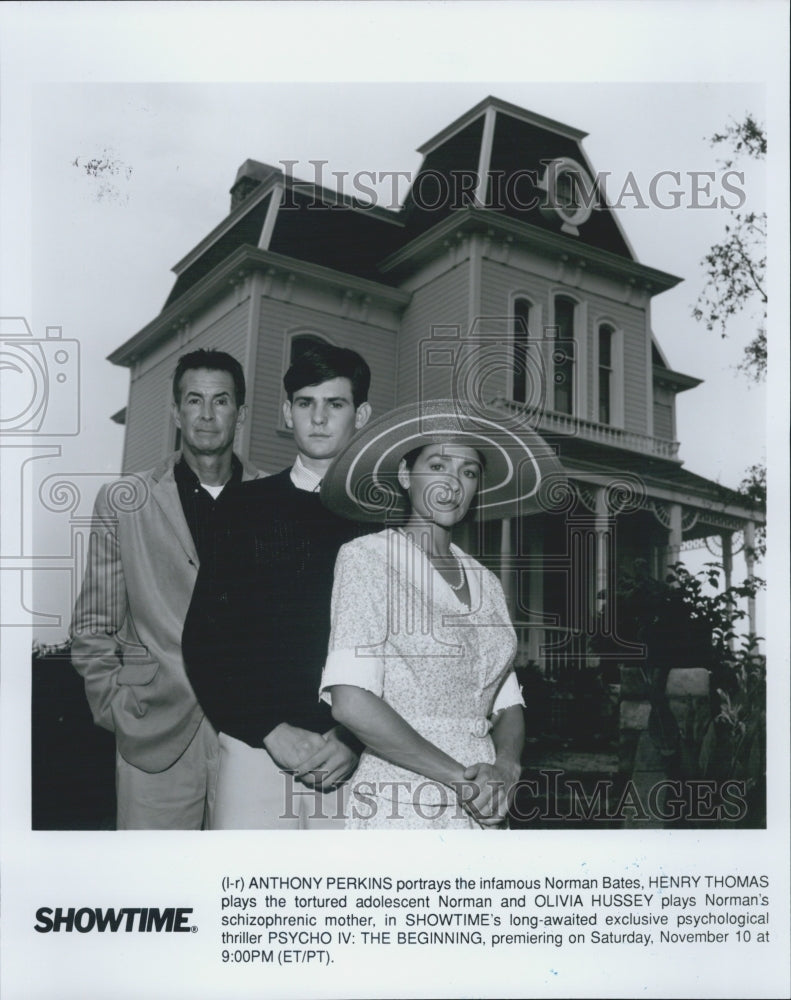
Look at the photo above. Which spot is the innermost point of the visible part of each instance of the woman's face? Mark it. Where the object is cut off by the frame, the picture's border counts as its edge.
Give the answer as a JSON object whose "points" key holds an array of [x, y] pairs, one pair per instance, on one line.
{"points": [[443, 482]]}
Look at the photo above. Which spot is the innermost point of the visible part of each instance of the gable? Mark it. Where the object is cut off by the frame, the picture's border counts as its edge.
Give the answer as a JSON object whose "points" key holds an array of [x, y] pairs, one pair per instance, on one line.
{"points": [[522, 150], [530, 165]]}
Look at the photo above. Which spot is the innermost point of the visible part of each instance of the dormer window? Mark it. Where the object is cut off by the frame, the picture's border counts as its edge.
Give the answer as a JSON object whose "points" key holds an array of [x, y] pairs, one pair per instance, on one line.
{"points": [[569, 194]]}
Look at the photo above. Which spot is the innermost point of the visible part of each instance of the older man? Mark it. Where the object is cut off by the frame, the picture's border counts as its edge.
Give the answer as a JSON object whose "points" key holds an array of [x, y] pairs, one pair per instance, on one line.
{"points": [[149, 534]]}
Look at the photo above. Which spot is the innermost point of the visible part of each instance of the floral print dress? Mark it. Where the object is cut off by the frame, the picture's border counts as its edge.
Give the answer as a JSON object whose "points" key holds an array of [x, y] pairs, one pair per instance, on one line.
{"points": [[400, 631]]}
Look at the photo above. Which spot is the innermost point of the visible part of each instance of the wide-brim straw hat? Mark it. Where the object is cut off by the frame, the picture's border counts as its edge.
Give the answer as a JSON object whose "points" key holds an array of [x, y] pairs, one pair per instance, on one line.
{"points": [[520, 467]]}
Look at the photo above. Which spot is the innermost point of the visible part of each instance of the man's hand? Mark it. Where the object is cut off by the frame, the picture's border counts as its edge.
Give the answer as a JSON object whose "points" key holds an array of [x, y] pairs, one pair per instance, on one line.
{"points": [[489, 804], [317, 761], [289, 745], [330, 766]]}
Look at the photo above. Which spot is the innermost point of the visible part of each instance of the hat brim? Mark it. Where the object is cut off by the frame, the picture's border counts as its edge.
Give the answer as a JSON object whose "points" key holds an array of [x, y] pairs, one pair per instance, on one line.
{"points": [[362, 482]]}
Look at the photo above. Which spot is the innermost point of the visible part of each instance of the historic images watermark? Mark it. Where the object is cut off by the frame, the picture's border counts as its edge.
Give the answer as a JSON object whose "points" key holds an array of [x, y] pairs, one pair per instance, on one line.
{"points": [[558, 184], [549, 797]]}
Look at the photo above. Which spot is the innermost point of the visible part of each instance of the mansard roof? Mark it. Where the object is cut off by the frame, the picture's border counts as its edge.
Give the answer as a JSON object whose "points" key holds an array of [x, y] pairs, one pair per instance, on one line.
{"points": [[490, 160], [508, 149], [298, 220]]}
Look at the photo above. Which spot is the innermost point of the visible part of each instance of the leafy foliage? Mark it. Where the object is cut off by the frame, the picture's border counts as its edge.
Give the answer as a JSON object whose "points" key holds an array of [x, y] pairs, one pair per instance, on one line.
{"points": [[682, 624], [743, 137], [734, 746], [736, 266], [676, 619], [753, 489]]}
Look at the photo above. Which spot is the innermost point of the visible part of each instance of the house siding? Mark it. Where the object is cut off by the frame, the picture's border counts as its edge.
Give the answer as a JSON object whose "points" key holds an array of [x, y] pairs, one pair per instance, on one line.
{"points": [[442, 301], [631, 321], [664, 404]]}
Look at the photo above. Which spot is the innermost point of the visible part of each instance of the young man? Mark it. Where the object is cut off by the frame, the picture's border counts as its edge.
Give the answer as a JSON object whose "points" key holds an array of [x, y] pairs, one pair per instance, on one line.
{"points": [[256, 634], [149, 534]]}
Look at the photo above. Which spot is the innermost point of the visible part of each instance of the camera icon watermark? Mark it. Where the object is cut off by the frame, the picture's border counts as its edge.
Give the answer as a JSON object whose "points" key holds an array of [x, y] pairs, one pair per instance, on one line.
{"points": [[499, 370], [41, 381]]}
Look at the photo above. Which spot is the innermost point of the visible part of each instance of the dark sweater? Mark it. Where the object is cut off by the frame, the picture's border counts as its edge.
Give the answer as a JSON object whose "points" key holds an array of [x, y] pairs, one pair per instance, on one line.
{"points": [[256, 634], [199, 506]]}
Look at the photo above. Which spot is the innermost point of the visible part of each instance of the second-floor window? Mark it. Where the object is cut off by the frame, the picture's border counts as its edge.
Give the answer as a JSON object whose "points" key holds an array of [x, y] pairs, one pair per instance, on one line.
{"points": [[296, 344], [301, 343], [521, 335], [606, 334], [563, 355]]}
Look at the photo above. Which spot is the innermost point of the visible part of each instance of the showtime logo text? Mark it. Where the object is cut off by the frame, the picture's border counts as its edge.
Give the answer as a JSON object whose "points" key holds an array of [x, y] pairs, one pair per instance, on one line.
{"points": [[145, 920]]}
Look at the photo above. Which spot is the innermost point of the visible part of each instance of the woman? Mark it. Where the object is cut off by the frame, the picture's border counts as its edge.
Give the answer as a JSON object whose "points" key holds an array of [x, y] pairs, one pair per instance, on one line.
{"points": [[419, 664]]}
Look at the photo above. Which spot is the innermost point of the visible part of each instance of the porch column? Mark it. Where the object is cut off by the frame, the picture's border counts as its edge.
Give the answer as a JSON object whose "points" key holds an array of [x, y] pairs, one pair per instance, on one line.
{"points": [[603, 528], [726, 538], [674, 535], [749, 559], [727, 556], [532, 542]]}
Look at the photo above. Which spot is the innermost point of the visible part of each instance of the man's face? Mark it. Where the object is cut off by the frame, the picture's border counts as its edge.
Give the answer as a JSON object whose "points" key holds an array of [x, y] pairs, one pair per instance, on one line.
{"points": [[207, 413], [323, 418]]}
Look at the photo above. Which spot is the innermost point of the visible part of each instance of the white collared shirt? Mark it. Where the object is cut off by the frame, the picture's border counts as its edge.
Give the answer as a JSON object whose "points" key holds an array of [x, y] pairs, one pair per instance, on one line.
{"points": [[304, 478]]}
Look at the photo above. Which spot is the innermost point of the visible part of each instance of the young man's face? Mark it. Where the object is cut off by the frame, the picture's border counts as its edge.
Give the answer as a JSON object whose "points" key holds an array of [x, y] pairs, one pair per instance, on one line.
{"points": [[324, 419], [207, 412]]}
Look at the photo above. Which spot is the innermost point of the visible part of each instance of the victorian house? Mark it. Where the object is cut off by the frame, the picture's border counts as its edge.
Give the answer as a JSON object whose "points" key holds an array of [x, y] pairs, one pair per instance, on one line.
{"points": [[503, 278]]}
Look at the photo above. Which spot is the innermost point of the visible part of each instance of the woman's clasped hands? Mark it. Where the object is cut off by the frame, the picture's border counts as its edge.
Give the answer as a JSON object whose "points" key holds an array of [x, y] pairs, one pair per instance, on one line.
{"points": [[486, 791]]}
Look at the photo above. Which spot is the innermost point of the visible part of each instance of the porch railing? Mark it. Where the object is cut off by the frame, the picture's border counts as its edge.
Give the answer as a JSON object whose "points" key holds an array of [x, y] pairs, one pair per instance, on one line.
{"points": [[556, 649], [552, 422]]}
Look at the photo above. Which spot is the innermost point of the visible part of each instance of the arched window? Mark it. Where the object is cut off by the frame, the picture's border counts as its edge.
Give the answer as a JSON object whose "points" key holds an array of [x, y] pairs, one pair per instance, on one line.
{"points": [[563, 354], [295, 345], [606, 335], [300, 343], [521, 337]]}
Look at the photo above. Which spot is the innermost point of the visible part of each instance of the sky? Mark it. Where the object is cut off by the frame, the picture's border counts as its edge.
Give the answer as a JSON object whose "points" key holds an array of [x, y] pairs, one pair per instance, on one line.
{"points": [[102, 242]]}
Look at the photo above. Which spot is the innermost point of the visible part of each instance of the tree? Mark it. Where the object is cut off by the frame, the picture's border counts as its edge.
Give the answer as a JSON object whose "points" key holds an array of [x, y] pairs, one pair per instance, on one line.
{"points": [[736, 266], [735, 277], [753, 489]]}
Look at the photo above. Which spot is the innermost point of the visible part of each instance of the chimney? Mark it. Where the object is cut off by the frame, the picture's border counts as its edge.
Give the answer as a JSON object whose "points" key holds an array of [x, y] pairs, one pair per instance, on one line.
{"points": [[251, 175]]}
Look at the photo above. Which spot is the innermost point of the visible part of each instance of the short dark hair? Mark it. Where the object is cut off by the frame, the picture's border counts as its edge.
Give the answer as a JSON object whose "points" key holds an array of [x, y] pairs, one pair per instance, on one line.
{"points": [[216, 361], [322, 362]]}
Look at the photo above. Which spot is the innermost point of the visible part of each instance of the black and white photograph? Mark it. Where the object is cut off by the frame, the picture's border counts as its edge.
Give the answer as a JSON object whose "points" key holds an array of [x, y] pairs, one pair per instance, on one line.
{"points": [[394, 457]]}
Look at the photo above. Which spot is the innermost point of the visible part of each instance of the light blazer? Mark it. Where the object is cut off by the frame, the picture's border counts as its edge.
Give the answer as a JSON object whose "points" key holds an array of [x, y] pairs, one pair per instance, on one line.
{"points": [[127, 624]]}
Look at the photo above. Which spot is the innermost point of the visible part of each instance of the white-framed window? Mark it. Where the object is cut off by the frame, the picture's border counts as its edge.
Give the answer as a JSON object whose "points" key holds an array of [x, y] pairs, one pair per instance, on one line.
{"points": [[299, 342], [296, 342], [605, 336], [521, 390], [564, 355], [608, 373]]}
